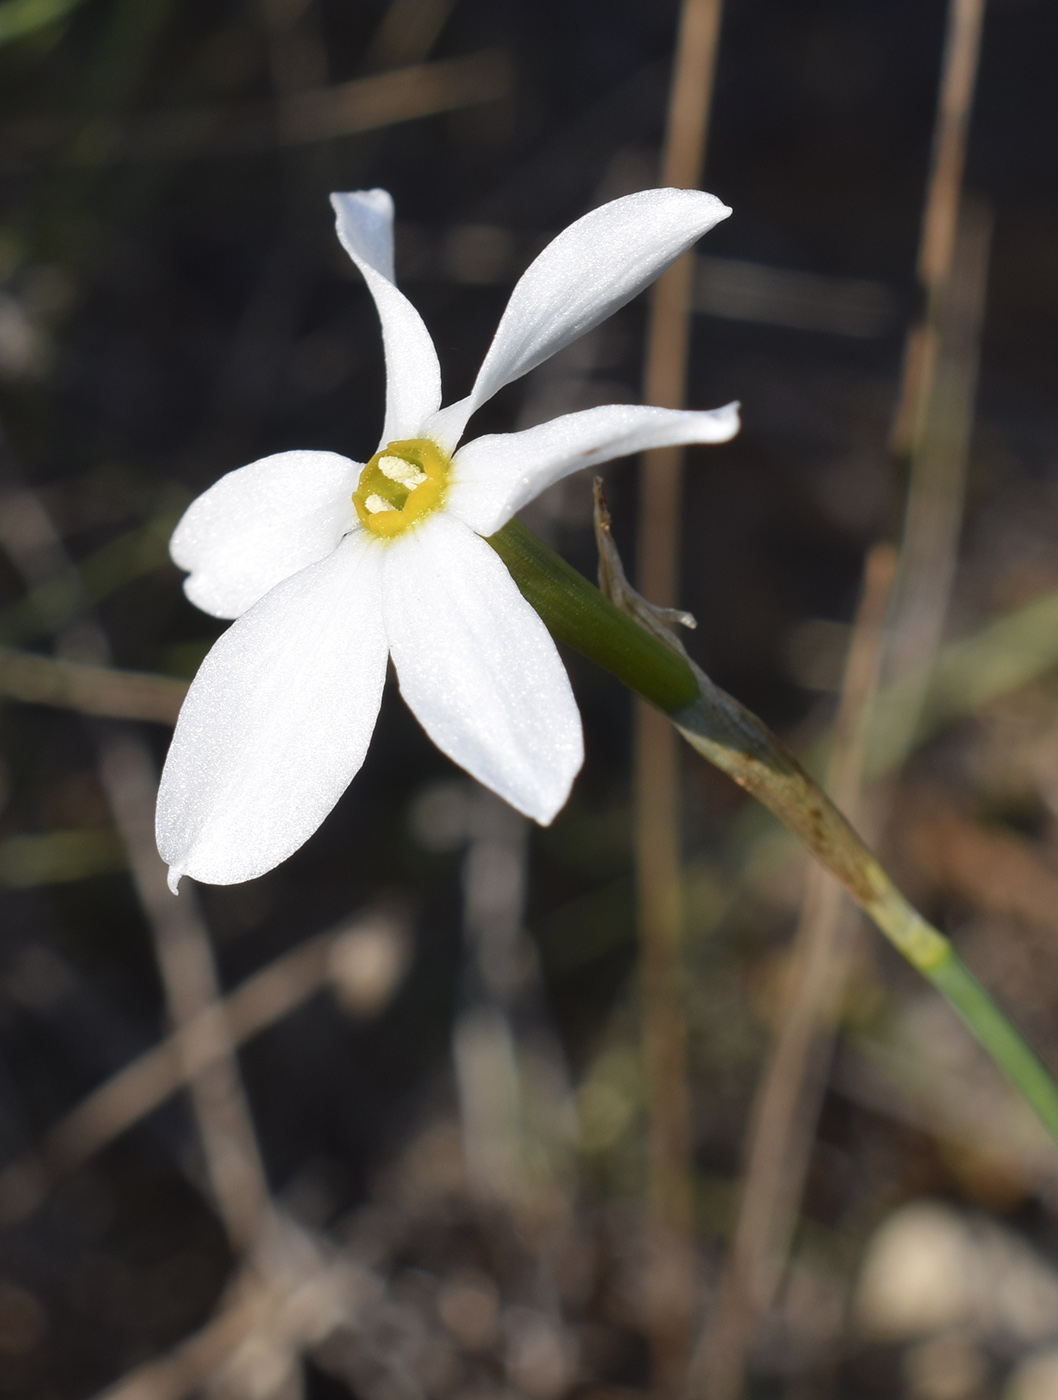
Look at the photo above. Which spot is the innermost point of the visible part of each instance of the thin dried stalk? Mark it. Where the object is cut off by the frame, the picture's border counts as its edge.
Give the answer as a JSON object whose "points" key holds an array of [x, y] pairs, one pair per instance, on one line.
{"points": [[407, 32], [934, 411], [484, 1043], [181, 942], [320, 114], [791, 1088], [962, 47], [196, 1360], [192, 990], [670, 1284], [297, 57], [308, 1295], [932, 423], [937, 484], [92, 690], [146, 1083]]}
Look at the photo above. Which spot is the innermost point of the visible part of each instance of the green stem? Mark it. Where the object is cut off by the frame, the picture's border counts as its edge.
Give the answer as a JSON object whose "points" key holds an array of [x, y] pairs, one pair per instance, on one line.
{"points": [[577, 614], [937, 960], [733, 738]]}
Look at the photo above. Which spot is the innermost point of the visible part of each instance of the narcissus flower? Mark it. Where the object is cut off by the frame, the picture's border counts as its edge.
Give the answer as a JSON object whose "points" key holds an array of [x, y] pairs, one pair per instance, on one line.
{"points": [[331, 566]]}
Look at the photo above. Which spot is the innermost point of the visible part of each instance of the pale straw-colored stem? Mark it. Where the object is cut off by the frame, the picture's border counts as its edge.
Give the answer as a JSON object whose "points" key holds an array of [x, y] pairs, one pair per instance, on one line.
{"points": [[153, 1077], [670, 1281], [181, 943], [193, 997], [93, 690], [791, 1088], [962, 47], [931, 426]]}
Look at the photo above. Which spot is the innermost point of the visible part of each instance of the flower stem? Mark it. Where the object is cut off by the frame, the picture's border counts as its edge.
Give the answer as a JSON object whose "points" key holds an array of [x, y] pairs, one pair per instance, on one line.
{"points": [[577, 614], [735, 740]]}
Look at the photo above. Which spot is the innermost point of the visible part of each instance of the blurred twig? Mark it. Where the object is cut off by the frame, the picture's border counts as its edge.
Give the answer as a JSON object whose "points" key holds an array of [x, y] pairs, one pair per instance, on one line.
{"points": [[670, 1283], [791, 1087], [939, 455], [483, 1040], [60, 596], [296, 55], [155, 1076], [511, 1075], [306, 1297], [93, 690], [181, 943], [321, 114], [962, 46], [189, 976], [932, 425], [54, 857], [992, 868], [934, 411], [1008, 652], [407, 32], [198, 1358]]}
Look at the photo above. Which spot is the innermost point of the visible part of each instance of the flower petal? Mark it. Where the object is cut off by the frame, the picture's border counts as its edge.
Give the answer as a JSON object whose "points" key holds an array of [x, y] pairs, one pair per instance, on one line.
{"points": [[413, 376], [277, 721], [260, 524], [478, 667], [585, 274], [495, 476]]}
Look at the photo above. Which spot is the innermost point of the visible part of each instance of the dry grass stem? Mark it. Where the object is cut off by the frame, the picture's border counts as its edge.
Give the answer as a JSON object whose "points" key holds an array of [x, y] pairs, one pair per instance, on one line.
{"points": [[484, 1046], [192, 991], [932, 423], [991, 869], [407, 32], [155, 1076], [670, 1286], [190, 1365], [791, 1087], [319, 114], [93, 690], [962, 47], [297, 57], [939, 456], [181, 942]]}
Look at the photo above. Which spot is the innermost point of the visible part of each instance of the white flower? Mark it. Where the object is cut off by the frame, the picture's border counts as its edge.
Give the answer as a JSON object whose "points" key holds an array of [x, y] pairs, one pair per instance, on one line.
{"points": [[330, 566]]}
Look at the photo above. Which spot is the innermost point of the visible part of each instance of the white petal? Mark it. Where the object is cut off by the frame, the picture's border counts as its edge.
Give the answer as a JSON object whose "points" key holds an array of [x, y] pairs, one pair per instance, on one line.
{"points": [[478, 667], [277, 721], [260, 524], [585, 274], [495, 476], [413, 376]]}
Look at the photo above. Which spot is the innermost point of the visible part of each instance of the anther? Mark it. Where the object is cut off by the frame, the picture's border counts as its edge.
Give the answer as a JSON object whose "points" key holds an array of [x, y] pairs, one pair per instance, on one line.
{"points": [[375, 503], [397, 469]]}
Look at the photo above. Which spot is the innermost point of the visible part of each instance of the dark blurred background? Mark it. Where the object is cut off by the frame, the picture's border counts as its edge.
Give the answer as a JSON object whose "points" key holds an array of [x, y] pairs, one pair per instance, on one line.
{"points": [[174, 304]]}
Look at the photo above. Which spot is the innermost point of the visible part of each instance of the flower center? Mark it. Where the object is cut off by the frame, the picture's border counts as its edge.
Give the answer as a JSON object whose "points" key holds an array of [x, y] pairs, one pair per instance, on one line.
{"points": [[401, 484]]}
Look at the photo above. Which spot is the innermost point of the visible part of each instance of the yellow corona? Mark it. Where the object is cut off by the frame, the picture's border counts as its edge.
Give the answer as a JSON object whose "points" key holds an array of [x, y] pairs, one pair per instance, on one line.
{"points": [[400, 485]]}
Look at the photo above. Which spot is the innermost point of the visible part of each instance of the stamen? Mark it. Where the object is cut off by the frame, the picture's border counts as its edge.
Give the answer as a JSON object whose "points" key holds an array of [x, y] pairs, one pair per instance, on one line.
{"points": [[375, 503], [397, 469]]}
